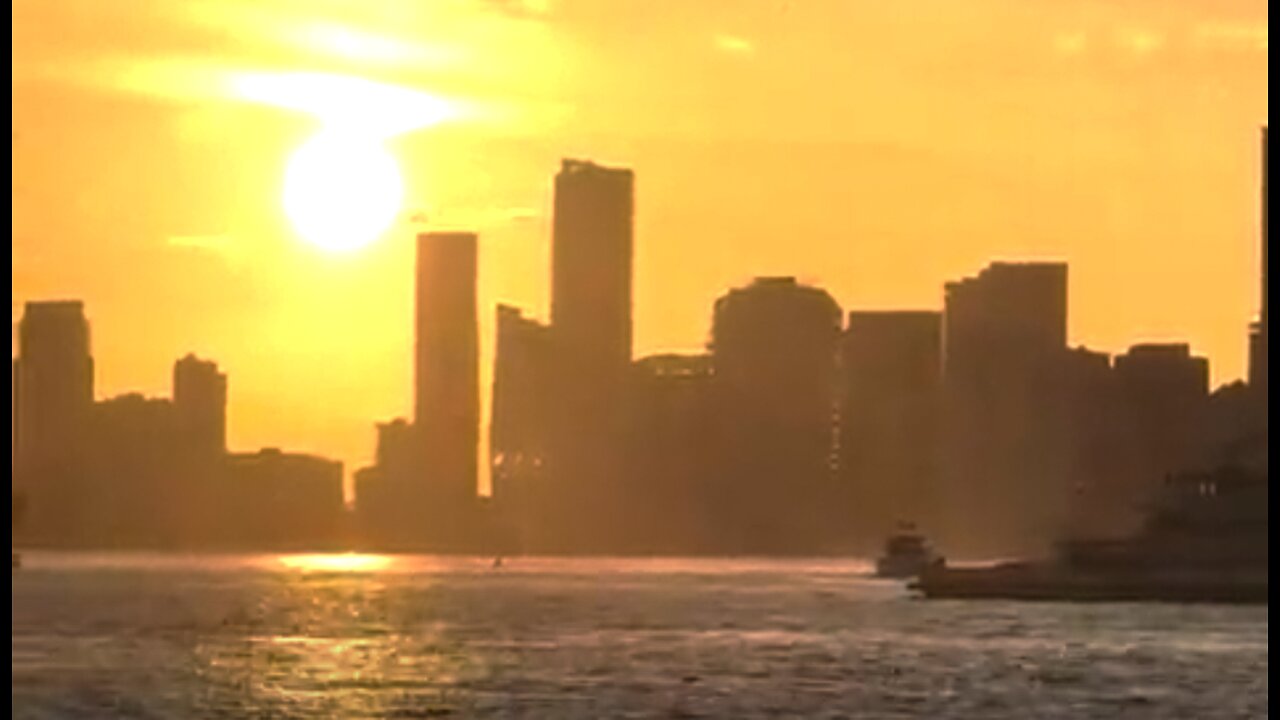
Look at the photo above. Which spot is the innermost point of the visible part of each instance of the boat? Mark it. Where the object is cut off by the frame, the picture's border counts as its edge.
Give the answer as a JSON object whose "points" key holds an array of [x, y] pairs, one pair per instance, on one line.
{"points": [[906, 554], [1204, 541]]}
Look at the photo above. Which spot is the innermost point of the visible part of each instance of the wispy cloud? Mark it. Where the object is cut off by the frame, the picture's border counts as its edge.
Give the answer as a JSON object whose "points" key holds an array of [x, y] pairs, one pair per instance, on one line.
{"points": [[1232, 36], [473, 218], [734, 44]]}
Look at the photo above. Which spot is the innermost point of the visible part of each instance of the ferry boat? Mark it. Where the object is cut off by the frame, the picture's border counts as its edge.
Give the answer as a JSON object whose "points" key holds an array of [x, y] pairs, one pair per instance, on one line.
{"points": [[906, 555], [1206, 541]]}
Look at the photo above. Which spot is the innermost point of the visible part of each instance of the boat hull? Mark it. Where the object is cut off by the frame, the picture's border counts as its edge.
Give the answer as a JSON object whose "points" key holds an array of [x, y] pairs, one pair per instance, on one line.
{"points": [[1050, 584]]}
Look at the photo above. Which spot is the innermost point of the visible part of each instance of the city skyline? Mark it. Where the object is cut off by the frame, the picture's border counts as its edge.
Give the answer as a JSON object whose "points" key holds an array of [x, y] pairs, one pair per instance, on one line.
{"points": [[1001, 334], [1132, 140]]}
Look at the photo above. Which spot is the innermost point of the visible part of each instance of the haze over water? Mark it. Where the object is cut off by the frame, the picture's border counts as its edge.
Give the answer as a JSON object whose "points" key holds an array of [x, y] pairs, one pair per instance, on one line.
{"points": [[134, 635]]}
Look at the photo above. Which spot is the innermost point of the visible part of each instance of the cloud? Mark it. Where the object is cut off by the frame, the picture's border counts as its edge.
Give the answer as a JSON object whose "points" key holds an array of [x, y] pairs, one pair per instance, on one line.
{"points": [[734, 45], [521, 8], [1140, 42], [1232, 36], [221, 246], [372, 107], [475, 218], [1073, 43]]}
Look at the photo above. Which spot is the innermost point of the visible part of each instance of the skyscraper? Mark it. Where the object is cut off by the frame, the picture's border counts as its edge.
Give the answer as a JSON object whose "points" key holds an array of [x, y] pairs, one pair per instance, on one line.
{"points": [[1163, 398], [200, 407], [591, 266], [774, 356], [53, 382], [591, 338], [517, 442], [892, 372], [447, 399], [1005, 440]]}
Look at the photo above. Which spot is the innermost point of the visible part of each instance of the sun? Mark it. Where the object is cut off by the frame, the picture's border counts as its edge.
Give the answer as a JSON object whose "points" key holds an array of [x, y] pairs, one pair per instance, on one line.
{"points": [[342, 191]]}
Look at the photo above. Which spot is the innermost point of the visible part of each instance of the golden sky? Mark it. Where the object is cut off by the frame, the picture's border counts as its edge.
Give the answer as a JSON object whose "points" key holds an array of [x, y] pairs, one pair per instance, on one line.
{"points": [[877, 149]]}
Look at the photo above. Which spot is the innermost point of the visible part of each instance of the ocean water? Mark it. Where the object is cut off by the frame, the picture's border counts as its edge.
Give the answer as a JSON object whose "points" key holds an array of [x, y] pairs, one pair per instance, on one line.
{"points": [[168, 636]]}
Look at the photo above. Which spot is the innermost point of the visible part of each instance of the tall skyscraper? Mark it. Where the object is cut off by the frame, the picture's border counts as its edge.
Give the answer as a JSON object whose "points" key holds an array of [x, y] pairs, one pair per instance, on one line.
{"points": [[53, 383], [517, 442], [774, 356], [1005, 439], [447, 399], [1163, 398], [892, 372], [592, 248], [200, 407]]}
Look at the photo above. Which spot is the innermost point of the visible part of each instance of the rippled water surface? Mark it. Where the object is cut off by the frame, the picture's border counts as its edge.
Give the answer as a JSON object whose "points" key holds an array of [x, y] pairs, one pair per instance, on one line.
{"points": [[407, 637]]}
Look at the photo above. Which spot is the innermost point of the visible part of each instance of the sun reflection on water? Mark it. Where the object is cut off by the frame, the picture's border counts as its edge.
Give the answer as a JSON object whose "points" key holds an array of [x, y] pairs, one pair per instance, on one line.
{"points": [[344, 562]]}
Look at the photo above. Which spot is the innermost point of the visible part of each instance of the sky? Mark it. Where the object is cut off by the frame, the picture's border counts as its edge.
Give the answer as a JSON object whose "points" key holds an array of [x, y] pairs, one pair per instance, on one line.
{"points": [[877, 150]]}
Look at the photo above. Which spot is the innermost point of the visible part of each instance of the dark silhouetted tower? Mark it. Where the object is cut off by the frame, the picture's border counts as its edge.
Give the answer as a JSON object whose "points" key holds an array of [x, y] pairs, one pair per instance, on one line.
{"points": [[54, 382], [447, 401], [774, 354], [200, 407], [892, 373], [54, 401], [1005, 433], [1164, 395], [669, 465], [517, 442], [591, 335], [591, 266]]}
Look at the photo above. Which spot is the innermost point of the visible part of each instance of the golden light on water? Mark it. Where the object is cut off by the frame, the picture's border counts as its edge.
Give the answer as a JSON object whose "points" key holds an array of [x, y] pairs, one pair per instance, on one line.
{"points": [[344, 562]]}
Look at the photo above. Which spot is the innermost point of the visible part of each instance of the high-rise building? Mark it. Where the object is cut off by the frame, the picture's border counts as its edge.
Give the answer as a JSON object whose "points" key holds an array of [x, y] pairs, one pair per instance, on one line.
{"points": [[892, 372], [1006, 439], [669, 460], [592, 245], [137, 491], [447, 400], [592, 250], [1163, 396], [200, 407], [521, 397], [286, 501], [53, 383], [774, 355], [53, 387]]}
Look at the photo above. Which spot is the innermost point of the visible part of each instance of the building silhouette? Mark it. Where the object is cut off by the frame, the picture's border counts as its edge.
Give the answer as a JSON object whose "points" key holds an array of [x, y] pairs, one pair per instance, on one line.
{"points": [[390, 494], [1006, 435], [669, 465], [136, 489], [53, 404], [774, 350], [200, 407], [518, 426], [282, 501], [888, 440], [1164, 389], [447, 393], [591, 295]]}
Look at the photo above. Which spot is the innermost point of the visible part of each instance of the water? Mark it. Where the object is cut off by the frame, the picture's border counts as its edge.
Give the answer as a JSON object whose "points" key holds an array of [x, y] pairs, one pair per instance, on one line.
{"points": [[151, 636]]}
